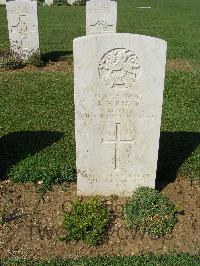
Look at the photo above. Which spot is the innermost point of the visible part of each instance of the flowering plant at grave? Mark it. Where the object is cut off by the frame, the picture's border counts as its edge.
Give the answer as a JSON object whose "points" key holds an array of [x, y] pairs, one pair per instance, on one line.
{"points": [[14, 60], [11, 60]]}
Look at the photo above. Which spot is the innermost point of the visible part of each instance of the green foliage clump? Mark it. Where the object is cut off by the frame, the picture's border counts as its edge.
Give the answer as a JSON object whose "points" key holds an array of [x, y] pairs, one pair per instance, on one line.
{"points": [[86, 221], [150, 212], [35, 59]]}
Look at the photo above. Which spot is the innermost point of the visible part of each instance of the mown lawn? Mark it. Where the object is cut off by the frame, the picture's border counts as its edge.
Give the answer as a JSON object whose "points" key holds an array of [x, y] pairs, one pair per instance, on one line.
{"points": [[37, 127], [175, 260], [176, 21], [37, 111]]}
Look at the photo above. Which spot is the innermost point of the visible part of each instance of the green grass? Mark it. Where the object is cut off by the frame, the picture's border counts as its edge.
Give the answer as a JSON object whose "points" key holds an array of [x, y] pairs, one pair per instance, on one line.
{"points": [[175, 260], [180, 137], [37, 112], [176, 21], [37, 125]]}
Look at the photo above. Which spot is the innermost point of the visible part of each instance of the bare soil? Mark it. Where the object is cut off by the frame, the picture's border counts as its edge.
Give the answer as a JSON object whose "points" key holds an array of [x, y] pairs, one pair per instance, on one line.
{"points": [[59, 66], [179, 64], [67, 66], [32, 224]]}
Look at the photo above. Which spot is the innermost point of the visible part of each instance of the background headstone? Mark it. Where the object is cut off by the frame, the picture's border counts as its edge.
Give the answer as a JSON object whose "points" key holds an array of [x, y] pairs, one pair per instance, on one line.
{"points": [[71, 2], [23, 27], [49, 2], [2, 2], [101, 16], [118, 106]]}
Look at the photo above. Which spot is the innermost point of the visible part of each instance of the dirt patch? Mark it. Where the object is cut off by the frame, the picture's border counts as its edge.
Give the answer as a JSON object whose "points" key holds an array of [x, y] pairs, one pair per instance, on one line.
{"points": [[33, 224], [179, 64], [60, 66], [67, 66]]}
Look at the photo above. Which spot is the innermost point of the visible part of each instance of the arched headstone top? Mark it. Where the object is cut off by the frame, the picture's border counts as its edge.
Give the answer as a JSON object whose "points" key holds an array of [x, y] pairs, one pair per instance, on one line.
{"points": [[101, 16]]}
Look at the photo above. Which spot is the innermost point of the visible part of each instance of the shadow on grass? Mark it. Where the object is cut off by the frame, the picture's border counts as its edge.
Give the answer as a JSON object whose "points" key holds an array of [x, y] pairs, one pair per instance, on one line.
{"points": [[16, 146], [56, 56], [175, 148]]}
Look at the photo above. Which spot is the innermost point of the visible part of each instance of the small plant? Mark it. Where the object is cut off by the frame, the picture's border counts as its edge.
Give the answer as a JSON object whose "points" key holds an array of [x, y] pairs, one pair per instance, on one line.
{"points": [[86, 221], [35, 59], [150, 212], [11, 60]]}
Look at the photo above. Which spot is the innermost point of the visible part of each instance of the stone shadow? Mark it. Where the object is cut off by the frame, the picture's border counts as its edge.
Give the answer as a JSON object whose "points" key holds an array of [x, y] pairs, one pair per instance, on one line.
{"points": [[16, 146], [56, 56], [175, 148]]}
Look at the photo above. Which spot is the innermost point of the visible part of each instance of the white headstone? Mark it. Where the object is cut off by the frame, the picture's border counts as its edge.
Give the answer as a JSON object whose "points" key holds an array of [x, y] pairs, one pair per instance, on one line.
{"points": [[101, 16], [2, 2], [23, 26], [49, 2], [119, 83]]}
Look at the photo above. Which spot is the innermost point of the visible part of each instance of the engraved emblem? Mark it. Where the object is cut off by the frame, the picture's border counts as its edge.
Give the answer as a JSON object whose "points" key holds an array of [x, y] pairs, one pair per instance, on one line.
{"points": [[119, 68], [101, 26]]}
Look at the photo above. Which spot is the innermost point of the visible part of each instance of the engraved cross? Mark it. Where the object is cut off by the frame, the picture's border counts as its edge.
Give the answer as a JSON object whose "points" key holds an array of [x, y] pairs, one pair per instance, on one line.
{"points": [[21, 26], [118, 142]]}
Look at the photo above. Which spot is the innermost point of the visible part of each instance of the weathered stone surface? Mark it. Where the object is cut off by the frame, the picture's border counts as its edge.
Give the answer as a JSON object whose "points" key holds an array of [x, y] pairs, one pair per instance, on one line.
{"points": [[23, 26], [119, 82], [101, 16]]}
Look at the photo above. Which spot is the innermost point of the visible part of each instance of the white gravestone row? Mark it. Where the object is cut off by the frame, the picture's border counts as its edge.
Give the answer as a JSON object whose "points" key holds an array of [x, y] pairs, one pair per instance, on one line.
{"points": [[23, 27], [101, 16], [119, 82]]}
